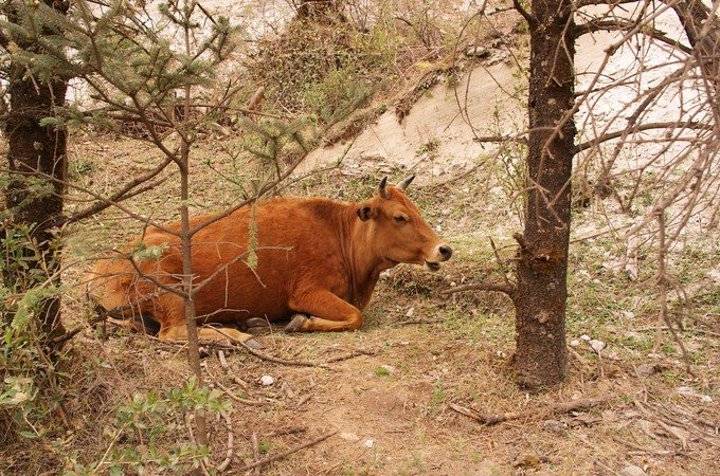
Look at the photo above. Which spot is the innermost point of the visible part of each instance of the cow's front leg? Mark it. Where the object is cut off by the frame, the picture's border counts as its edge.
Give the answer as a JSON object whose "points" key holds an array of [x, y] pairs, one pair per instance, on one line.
{"points": [[327, 313]]}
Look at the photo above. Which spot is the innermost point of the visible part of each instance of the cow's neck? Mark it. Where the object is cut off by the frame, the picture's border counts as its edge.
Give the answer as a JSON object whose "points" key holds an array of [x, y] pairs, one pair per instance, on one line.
{"points": [[363, 262]]}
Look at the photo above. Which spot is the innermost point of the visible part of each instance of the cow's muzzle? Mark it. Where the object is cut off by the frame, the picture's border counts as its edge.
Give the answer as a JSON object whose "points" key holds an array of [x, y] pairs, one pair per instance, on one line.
{"points": [[442, 253]]}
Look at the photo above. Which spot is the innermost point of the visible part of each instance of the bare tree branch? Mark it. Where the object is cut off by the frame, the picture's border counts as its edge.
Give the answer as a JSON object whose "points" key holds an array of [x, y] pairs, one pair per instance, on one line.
{"points": [[642, 127], [618, 24], [529, 18]]}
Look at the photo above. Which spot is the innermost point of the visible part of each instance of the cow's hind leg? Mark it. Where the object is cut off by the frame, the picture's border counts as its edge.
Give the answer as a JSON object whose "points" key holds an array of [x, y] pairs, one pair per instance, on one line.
{"points": [[220, 335], [170, 313], [327, 312]]}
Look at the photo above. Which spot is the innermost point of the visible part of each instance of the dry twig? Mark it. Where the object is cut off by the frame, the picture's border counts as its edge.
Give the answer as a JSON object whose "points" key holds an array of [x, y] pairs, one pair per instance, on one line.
{"points": [[287, 453], [541, 413], [231, 437]]}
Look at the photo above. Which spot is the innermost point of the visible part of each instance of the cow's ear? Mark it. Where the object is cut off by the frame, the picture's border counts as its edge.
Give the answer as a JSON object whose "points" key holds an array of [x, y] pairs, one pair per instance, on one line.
{"points": [[365, 212]]}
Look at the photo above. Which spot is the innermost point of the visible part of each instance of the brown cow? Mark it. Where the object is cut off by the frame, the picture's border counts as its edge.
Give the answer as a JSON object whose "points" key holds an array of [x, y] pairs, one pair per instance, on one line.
{"points": [[315, 256]]}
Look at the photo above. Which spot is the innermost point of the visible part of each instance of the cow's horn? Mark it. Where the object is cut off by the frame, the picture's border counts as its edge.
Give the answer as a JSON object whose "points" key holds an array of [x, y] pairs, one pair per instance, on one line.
{"points": [[381, 188], [404, 184]]}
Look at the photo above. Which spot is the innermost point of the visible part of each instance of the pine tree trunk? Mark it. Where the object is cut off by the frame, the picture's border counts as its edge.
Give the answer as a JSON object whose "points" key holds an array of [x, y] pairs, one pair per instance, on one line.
{"points": [[702, 28], [36, 151], [540, 358]]}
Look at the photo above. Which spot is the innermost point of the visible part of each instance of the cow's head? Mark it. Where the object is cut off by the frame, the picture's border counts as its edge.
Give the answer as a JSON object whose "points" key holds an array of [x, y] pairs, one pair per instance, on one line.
{"points": [[398, 233]]}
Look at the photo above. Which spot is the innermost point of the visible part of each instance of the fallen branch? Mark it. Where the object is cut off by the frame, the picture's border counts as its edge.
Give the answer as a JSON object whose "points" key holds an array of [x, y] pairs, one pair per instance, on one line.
{"points": [[61, 339], [221, 358], [693, 330], [231, 437], [544, 412], [264, 356], [230, 394], [351, 355], [287, 453], [303, 400], [420, 321], [256, 452], [276, 360], [293, 430], [484, 286]]}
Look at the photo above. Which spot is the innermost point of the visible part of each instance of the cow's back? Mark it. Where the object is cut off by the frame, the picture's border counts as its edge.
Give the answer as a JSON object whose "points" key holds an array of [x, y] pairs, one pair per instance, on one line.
{"points": [[295, 241], [248, 264]]}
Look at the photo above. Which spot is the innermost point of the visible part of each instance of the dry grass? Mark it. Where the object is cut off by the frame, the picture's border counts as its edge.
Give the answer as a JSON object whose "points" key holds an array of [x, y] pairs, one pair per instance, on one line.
{"points": [[396, 395]]}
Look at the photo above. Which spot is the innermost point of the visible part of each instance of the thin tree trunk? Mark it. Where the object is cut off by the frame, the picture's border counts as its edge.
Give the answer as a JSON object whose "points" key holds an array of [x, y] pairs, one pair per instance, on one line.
{"points": [[193, 348], [540, 358], [33, 152]]}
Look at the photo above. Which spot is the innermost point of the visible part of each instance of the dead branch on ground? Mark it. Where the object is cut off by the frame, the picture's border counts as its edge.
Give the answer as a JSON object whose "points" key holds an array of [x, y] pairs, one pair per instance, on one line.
{"points": [[556, 409]]}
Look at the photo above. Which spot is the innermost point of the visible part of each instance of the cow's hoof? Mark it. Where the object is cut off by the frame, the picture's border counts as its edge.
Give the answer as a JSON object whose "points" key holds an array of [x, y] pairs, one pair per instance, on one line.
{"points": [[257, 322], [254, 344], [296, 323]]}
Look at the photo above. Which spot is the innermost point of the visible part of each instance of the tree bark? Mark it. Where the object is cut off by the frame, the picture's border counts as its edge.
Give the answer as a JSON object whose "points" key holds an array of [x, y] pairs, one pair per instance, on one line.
{"points": [[36, 151], [702, 28], [540, 358]]}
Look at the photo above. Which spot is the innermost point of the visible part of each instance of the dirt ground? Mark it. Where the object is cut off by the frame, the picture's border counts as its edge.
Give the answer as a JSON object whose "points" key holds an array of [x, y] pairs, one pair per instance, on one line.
{"points": [[390, 392]]}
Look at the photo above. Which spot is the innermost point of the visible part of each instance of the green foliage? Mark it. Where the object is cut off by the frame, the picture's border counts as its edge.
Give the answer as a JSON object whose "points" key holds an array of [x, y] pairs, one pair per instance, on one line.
{"points": [[337, 95], [145, 433], [326, 68], [382, 371], [264, 447], [25, 368], [34, 188], [18, 399], [79, 167], [144, 252], [438, 395]]}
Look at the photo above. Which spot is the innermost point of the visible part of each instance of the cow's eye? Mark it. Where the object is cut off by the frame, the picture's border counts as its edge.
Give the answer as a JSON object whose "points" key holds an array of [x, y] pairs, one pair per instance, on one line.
{"points": [[401, 219]]}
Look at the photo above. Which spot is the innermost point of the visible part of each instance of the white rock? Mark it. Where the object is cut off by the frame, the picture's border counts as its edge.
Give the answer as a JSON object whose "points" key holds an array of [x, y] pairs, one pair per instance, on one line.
{"points": [[267, 380], [691, 392], [574, 342], [714, 274], [349, 437], [585, 337], [597, 345], [628, 314], [410, 312], [645, 370], [369, 443], [554, 426], [632, 470], [686, 391]]}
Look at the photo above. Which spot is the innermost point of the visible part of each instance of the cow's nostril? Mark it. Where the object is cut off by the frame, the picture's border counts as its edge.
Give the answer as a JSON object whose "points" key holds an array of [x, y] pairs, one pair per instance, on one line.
{"points": [[445, 251]]}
